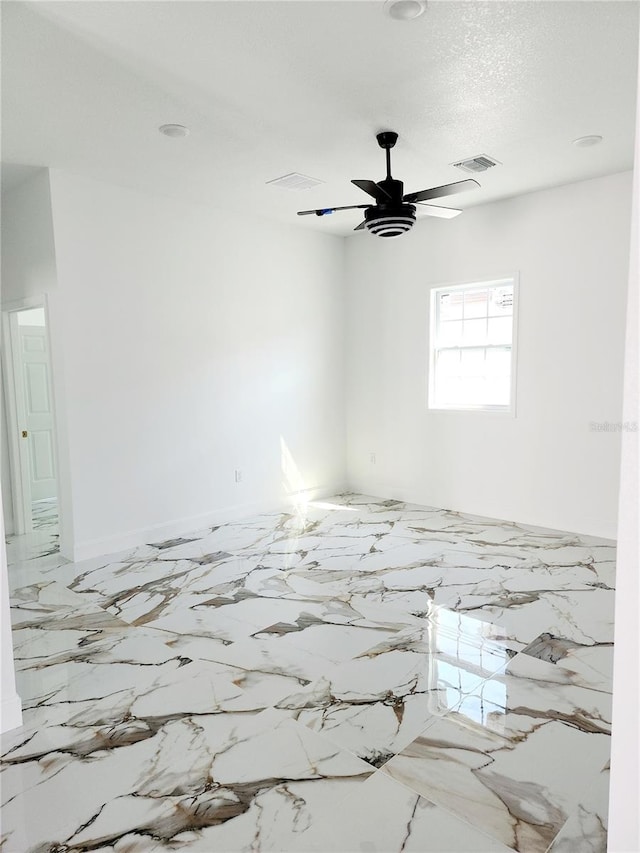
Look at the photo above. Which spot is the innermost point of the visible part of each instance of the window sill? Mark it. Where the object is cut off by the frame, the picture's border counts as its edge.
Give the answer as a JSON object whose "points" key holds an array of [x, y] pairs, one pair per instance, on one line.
{"points": [[492, 410]]}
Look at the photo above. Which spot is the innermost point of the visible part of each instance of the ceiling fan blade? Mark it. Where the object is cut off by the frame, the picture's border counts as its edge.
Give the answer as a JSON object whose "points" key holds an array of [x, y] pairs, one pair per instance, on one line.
{"points": [[440, 192], [324, 211], [361, 226], [373, 189], [440, 212]]}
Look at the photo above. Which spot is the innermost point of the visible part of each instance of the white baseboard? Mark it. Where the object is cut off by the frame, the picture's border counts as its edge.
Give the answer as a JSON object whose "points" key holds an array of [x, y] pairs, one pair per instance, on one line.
{"points": [[179, 527], [375, 489], [603, 531], [10, 713]]}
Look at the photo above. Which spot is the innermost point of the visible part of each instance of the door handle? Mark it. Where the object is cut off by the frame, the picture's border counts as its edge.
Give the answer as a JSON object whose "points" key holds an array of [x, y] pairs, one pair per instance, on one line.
{"points": [[24, 433]]}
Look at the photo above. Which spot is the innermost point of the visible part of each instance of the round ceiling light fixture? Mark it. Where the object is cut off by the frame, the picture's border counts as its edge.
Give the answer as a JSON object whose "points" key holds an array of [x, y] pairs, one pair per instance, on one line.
{"points": [[405, 10], [390, 220], [587, 141], [175, 131]]}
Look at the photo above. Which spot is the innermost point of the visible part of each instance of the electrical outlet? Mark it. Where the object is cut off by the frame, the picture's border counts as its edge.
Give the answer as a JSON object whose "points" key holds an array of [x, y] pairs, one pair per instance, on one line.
{"points": [[372, 458], [238, 475]]}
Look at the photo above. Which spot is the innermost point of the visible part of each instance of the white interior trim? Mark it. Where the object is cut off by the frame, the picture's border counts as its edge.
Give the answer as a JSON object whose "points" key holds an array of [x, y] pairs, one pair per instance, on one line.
{"points": [[18, 453], [22, 521], [10, 713]]}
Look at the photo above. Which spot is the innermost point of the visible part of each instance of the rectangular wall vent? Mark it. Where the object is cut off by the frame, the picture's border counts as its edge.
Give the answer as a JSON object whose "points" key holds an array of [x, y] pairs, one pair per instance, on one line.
{"points": [[295, 181], [476, 164]]}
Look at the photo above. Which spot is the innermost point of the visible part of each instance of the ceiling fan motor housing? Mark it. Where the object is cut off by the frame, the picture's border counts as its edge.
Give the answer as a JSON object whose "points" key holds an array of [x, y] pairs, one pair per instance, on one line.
{"points": [[390, 220]]}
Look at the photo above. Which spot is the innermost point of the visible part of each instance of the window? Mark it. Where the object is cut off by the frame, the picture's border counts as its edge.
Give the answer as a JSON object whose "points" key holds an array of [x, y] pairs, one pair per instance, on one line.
{"points": [[472, 346]]}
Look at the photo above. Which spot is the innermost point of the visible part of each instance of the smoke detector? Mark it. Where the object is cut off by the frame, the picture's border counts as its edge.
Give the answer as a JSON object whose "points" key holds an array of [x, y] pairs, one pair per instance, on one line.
{"points": [[404, 10], [587, 141], [480, 163], [175, 131], [295, 181]]}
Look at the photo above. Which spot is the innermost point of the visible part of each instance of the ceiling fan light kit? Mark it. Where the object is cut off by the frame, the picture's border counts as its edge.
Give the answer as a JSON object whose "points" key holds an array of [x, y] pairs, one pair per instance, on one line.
{"points": [[394, 212], [388, 223]]}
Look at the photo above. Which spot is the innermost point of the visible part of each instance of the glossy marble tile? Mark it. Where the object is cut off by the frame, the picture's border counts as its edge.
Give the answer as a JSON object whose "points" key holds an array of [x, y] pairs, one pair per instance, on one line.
{"points": [[237, 688], [41, 542], [515, 757], [590, 665], [411, 824], [583, 616], [44, 514], [377, 702], [226, 779], [586, 828]]}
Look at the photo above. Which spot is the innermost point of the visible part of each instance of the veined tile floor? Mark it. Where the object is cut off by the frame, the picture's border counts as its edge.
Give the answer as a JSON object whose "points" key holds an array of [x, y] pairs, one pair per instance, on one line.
{"points": [[44, 514], [358, 675], [43, 539]]}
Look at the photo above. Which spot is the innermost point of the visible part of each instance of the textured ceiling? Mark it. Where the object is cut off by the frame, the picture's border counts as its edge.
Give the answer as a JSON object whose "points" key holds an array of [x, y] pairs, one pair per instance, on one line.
{"points": [[269, 88]]}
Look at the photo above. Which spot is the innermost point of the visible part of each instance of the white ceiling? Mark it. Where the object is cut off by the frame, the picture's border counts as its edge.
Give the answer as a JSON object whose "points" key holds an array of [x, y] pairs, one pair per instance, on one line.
{"points": [[269, 88]]}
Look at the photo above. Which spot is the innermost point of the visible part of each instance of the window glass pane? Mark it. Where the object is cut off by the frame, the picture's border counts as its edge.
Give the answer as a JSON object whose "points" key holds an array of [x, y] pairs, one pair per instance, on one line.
{"points": [[449, 334], [474, 332], [497, 391], [469, 378], [448, 363], [448, 392], [473, 362], [500, 329], [475, 303], [472, 391], [501, 300], [499, 362], [450, 305]]}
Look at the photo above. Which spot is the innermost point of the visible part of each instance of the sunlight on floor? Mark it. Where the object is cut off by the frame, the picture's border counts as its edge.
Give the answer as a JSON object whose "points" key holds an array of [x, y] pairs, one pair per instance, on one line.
{"points": [[325, 505]]}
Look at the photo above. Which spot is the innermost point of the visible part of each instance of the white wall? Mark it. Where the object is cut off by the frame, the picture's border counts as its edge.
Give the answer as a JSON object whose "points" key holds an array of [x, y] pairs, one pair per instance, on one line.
{"points": [[195, 343], [570, 246], [624, 795], [28, 257]]}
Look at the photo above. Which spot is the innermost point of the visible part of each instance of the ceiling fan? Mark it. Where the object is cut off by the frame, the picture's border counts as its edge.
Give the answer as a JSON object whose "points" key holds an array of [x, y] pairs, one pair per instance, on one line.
{"points": [[394, 213]]}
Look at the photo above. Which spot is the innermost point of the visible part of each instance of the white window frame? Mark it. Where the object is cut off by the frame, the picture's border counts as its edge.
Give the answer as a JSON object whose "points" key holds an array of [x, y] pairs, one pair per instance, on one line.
{"points": [[510, 410]]}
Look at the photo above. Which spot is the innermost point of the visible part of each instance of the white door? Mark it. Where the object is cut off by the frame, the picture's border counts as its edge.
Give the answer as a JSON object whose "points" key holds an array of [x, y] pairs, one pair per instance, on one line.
{"points": [[36, 417]]}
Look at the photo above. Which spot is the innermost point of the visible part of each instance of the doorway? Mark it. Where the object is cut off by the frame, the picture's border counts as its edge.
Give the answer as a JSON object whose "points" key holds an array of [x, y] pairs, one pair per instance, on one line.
{"points": [[30, 432]]}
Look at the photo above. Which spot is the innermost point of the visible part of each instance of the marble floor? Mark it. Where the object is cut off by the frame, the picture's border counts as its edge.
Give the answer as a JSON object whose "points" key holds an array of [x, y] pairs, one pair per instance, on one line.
{"points": [[44, 514], [43, 541], [354, 675]]}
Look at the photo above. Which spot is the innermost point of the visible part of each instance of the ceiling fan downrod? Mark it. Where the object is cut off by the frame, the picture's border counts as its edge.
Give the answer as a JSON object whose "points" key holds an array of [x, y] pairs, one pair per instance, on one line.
{"points": [[387, 139]]}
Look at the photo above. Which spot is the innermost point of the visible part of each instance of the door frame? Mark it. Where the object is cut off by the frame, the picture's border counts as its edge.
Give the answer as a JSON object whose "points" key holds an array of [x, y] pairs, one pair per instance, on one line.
{"points": [[18, 450]]}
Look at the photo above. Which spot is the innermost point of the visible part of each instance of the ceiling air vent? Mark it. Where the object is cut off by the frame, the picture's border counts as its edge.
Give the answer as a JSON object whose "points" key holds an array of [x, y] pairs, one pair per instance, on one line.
{"points": [[295, 181], [476, 164]]}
